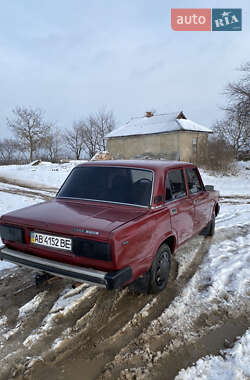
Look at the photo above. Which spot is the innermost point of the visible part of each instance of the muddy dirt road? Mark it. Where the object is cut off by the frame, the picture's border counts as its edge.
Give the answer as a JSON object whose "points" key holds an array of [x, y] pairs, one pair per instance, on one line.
{"points": [[57, 332]]}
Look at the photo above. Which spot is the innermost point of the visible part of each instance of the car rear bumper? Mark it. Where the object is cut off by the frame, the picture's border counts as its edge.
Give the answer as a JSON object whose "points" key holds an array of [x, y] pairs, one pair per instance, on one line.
{"points": [[109, 280]]}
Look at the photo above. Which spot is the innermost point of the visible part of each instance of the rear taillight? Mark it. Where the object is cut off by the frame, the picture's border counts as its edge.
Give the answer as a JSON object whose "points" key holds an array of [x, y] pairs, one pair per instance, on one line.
{"points": [[92, 249], [10, 233]]}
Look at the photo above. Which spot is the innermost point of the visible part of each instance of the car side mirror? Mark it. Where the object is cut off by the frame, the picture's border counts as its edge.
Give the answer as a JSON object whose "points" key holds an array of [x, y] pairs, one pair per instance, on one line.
{"points": [[209, 187]]}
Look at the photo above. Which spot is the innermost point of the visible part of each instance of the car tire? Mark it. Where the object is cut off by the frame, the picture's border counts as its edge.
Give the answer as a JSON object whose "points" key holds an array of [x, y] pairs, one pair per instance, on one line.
{"points": [[159, 271], [211, 229]]}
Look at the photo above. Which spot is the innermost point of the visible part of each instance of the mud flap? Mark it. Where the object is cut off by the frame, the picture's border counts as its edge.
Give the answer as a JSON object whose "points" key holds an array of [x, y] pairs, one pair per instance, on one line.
{"points": [[116, 279], [206, 230]]}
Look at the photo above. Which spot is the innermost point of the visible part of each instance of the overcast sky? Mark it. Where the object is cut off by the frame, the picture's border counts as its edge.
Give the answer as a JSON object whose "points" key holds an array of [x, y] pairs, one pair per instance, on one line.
{"points": [[72, 58]]}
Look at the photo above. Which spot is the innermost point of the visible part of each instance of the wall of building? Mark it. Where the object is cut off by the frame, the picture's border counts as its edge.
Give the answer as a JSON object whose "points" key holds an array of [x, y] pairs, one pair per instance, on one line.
{"points": [[132, 146], [187, 148], [172, 144]]}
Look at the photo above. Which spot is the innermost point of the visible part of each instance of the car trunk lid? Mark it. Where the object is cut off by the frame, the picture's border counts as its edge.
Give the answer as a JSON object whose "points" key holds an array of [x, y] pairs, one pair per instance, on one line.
{"points": [[75, 217]]}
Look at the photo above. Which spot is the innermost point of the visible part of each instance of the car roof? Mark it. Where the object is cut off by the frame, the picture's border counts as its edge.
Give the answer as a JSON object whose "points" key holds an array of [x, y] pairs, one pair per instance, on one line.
{"points": [[143, 164]]}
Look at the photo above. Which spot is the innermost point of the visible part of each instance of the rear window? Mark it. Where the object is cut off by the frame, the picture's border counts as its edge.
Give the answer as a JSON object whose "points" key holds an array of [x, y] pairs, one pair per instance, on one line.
{"points": [[109, 184]]}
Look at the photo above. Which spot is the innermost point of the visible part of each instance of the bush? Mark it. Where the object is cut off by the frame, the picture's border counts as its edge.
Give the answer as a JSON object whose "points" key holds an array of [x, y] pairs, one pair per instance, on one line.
{"points": [[219, 157]]}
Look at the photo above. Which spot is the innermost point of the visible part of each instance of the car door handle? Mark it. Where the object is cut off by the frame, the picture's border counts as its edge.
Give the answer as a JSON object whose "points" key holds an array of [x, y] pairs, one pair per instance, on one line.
{"points": [[196, 201], [173, 211]]}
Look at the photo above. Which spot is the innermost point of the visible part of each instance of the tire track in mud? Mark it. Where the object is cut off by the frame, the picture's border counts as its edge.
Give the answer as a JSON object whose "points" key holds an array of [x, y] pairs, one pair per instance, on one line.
{"points": [[27, 193], [231, 233], [167, 364], [130, 316], [222, 197], [38, 330], [234, 200], [160, 354], [112, 369], [16, 290], [27, 185]]}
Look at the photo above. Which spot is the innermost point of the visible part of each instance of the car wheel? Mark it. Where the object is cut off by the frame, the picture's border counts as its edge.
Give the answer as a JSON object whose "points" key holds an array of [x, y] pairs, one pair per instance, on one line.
{"points": [[211, 227], [159, 271]]}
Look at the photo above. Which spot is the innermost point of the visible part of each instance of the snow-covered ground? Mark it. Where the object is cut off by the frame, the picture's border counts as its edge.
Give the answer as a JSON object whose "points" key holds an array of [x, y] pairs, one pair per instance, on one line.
{"points": [[221, 281], [45, 174], [238, 184], [232, 364]]}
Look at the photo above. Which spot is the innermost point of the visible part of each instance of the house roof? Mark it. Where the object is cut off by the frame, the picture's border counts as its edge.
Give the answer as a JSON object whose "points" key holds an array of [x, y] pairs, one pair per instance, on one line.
{"points": [[170, 122]]}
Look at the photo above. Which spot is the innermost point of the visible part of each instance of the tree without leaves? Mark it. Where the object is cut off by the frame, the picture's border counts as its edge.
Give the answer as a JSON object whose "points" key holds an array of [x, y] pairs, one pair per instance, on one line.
{"points": [[9, 151], [53, 143], [105, 123], [90, 136], [235, 127], [74, 139], [95, 128], [29, 128], [239, 92]]}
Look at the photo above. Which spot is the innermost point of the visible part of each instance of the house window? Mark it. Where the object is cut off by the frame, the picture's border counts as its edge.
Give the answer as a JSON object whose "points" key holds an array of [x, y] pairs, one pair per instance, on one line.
{"points": [[194, 145]]}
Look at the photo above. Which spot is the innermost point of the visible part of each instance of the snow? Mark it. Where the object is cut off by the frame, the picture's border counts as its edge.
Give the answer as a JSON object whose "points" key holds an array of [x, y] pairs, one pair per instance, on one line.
{"points": [[157, 124], [221, 281], [231, 185], [11, 202], [189, 125], [5, 264], [227, 267], [224, 270], [31, 306], [233, 215], [66, 303], [232, 364], [46, 174]]}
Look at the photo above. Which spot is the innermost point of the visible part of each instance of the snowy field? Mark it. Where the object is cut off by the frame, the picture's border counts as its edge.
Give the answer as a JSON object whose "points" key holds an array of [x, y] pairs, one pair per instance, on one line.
{"points": [[231, 185], [207, 307], [46, 174]]}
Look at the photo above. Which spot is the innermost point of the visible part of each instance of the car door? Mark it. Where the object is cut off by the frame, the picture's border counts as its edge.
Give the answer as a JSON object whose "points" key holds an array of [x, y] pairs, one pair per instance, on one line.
{"points": [[180, 206], [199, 198]]}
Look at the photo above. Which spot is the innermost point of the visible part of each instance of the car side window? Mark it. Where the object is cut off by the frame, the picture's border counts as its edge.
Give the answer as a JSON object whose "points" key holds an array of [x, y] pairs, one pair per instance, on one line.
{"points": [[176, 184], [194, 183]]}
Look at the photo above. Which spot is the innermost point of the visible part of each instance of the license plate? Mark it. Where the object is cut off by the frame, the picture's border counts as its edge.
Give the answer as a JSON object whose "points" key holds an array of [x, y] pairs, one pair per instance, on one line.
{"points": [[51, 241]]}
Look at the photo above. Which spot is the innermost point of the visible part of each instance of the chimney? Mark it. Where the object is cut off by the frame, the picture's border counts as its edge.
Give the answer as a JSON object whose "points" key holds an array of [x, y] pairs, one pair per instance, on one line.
{"points": [[149, 114]]}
